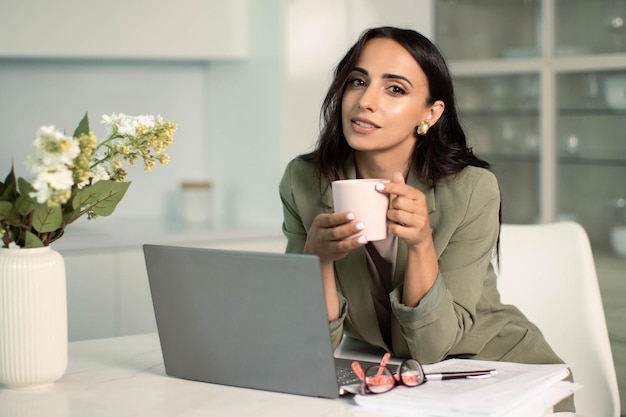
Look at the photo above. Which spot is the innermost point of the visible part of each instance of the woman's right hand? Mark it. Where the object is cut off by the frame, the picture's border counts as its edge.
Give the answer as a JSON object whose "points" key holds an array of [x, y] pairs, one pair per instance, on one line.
{"points": [[332, 236]]}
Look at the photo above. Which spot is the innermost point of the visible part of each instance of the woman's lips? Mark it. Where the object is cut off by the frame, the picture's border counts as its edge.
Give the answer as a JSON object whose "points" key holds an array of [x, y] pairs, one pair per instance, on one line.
{"points": [[360, 125]]}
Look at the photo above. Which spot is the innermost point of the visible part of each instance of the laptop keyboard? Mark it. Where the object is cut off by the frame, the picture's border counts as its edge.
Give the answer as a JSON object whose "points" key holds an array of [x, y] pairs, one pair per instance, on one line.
{"points": [[346, 376]]}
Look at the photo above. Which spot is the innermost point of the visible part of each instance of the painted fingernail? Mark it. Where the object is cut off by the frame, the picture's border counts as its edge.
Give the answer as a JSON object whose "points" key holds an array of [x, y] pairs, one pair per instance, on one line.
{"points": [[350, 216], [360, 226], [379, 187], [362, 239]]}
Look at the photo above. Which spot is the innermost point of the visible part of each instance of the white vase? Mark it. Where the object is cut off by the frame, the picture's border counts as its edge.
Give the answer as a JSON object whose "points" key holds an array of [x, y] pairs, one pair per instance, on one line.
{"points": [[33, 318]]}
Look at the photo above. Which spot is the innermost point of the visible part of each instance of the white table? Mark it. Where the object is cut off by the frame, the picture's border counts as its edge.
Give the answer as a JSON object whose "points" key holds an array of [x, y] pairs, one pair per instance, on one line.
{"points": [[124, 376]]}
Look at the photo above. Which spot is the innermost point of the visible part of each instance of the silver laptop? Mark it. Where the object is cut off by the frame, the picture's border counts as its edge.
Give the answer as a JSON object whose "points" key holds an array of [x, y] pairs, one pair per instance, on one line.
{"points": [[245, 319]]}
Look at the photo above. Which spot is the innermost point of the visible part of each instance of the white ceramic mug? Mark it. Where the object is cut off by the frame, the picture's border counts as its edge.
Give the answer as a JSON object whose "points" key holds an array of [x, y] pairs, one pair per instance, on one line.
{"points": [[368, 205]]}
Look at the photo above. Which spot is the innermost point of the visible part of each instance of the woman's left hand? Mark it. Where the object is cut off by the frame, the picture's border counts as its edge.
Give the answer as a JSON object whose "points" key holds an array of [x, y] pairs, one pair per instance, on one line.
{"points": [[408, 215], [408, 211]]}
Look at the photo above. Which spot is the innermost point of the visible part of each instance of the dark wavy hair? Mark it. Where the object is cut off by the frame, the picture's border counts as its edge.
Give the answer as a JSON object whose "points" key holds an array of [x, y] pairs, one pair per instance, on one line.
{"points": [[439, 154]]}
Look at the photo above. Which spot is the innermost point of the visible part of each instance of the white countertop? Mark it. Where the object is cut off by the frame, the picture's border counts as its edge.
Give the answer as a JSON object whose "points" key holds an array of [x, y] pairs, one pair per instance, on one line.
{"points": [[107, 233], [124, 376]]}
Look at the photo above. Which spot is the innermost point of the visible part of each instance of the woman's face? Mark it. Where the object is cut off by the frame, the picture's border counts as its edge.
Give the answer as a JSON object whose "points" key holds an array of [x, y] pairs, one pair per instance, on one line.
{"points": [[385, 99]]}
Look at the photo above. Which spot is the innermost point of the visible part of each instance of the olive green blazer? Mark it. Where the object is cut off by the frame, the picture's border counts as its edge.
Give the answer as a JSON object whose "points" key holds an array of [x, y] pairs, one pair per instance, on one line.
{"points": [[461, 316]]}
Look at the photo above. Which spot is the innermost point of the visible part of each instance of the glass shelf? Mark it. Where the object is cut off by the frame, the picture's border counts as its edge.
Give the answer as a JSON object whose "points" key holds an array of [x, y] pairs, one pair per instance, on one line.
{"points": [[591, 117], [534, 159], [584, 27], [584, 111], [502, 157], [498, 93], [597, 90], [499, 113], [593, 161]]}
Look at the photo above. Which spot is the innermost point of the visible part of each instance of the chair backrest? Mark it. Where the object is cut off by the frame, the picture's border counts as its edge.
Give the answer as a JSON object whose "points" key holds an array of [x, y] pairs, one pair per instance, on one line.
{"points": [[548, 272]]}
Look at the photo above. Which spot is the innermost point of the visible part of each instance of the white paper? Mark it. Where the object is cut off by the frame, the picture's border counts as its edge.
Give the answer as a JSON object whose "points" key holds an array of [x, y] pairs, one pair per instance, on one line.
{"points": [[515, 386]]}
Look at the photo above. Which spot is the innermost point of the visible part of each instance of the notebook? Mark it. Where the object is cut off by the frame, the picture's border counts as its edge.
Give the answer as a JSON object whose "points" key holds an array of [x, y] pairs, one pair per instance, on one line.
{"points": [[245, 319]]}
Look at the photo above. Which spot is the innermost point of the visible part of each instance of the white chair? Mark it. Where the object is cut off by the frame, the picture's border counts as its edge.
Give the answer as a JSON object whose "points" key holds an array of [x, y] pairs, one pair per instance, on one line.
{"points": [[548, 272]]}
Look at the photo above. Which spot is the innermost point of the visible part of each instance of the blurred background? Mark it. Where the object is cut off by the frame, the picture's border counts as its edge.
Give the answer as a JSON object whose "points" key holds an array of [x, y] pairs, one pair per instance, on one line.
{"points": [[541, 90]]}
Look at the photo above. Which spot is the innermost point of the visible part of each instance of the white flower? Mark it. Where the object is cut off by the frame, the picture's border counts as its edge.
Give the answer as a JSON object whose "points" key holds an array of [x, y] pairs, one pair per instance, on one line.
{"points": [[52, 150], [120, 123], [127, 125], [42, 192], [100, 172], [48, 132], [47, 182], [13, 245], [148, 121], [59, 180]]}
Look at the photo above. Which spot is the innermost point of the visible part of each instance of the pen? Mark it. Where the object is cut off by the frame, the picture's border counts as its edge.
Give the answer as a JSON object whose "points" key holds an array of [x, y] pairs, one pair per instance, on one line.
{"points": [[461, 375]]}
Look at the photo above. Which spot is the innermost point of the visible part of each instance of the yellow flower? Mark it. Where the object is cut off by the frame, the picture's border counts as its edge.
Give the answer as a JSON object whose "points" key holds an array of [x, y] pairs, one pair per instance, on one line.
{"points": [[164, 159], [81, 166]]}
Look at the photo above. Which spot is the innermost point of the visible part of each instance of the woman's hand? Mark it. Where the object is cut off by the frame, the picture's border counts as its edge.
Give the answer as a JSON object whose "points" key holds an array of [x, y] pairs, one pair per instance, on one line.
{"points": [[408, 215], [331, 236], [408, 211]]}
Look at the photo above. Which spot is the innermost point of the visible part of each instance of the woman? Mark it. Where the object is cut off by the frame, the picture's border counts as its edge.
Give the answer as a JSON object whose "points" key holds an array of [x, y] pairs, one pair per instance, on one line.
{"points": [[429, 290]]}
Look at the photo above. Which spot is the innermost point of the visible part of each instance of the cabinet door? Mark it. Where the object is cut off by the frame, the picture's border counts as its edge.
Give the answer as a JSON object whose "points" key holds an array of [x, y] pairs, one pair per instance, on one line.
{"points": [[591, 147], [91, 294], [584, 27], [493, 49], [488, 29], [136, 314], [500, 115]]}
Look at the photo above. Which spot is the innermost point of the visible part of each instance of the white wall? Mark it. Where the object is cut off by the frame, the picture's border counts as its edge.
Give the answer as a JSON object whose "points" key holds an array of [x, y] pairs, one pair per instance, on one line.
{"points": [[246, 116], [245, 88], [35, 92]]}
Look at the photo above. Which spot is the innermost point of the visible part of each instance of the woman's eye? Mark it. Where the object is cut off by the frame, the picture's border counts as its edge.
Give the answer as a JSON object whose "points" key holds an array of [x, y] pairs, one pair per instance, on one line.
{"points": [[356, 82], [397, 90]]}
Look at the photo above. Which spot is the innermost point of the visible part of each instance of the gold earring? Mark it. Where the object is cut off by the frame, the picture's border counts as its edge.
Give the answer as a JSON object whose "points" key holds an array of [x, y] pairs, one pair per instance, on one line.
{"points": [[422, 128]]}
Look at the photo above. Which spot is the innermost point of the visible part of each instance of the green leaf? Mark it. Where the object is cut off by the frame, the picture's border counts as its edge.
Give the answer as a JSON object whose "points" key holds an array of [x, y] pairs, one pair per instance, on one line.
{"points": [[8, 189], [101, 198], [46, 219], [32, 241], [24, 205], [25, 186], [9, 213], [83, 126], [5, 209]]}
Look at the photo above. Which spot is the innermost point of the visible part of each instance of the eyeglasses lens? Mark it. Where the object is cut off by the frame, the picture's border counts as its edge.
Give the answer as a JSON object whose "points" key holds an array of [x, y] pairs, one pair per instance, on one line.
{"points": [[411, 373], [379, 379]]}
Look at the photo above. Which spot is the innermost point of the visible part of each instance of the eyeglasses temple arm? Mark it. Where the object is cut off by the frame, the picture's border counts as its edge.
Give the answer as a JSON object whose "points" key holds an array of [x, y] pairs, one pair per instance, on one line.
{"points": [[358, 370]]}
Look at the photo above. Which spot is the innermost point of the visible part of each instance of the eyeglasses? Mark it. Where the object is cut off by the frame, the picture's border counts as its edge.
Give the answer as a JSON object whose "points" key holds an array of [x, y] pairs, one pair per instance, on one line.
{"points": [[378, 379]]}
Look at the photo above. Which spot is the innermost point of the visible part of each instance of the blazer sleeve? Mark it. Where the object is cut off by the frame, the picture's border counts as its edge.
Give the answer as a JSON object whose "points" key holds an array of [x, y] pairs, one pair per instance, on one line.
{"points": [[440, 324]]}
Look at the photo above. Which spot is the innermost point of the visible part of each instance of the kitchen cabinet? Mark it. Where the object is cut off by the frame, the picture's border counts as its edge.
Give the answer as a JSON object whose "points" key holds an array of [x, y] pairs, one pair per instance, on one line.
{"points": [[541, 90], [138, 29], [107, 287]]}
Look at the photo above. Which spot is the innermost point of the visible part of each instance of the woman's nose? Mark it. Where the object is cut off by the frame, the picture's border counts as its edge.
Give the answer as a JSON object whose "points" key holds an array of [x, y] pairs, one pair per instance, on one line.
{"points": [[368, 100]]}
